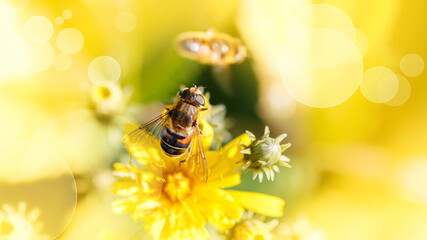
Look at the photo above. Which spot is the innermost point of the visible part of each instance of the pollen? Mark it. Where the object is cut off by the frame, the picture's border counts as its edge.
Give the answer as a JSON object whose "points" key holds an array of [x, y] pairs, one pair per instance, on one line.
{"points": [[177, 186]]}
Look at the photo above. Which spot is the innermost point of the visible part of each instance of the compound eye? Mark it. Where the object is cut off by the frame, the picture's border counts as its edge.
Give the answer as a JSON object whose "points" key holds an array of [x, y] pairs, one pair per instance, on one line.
{"points": [[200, 100]]}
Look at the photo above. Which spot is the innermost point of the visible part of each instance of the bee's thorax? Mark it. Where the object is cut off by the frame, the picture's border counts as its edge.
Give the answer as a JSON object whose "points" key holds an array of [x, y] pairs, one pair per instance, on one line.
{"points": [[184, 115]]}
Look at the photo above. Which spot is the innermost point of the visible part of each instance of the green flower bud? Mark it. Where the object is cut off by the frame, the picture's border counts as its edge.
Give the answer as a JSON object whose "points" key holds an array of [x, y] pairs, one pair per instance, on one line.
{"points": [[264, 155]]}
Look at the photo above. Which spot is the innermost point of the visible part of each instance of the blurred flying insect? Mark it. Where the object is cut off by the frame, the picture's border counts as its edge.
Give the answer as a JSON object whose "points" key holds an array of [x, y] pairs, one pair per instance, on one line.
{"points": [[178, 130], [211, 47]]}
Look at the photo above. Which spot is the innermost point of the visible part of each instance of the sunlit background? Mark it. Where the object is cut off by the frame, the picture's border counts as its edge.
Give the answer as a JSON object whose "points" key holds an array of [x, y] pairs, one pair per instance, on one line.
{"points": [[344, 79]]}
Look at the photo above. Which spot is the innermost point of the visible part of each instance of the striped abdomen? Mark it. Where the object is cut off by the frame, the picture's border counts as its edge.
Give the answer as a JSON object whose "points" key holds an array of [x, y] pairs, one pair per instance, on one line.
{"points": [[173, 143]]}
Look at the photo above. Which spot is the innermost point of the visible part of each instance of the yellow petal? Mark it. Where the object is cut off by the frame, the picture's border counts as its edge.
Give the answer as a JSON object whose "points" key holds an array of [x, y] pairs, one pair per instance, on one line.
{"points": [[226, 181], [155, 227], [218, 166], [147, 154], [212, 158], [144, 150], [219, 208], [125, 188], [145, 208], [224, 161], [124, 205], [260, 203], [208, 133], [180, 223], [120, 167], [123, 171], [191, 216], [129, 127], [231, 151]]}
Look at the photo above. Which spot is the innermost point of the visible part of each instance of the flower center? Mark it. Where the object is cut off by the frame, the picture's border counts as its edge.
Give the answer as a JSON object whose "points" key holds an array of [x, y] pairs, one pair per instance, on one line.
{"points": [[5, 227], [101, 93], [177, 186], [104, 92]]}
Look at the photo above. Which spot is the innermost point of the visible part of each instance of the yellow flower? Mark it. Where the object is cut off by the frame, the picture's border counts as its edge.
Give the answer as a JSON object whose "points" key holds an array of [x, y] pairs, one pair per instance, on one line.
{"points": [[250, 228], [175, 204], [18, 224], [106, 101]]}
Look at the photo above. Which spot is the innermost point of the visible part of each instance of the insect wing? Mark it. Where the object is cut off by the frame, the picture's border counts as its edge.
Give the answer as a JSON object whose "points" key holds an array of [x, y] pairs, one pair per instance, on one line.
{"points": [[197, 160], [147, 132]]}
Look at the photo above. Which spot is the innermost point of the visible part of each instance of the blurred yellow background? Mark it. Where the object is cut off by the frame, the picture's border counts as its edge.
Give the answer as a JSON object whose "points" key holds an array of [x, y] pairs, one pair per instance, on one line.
{"points": [[344, 79]]}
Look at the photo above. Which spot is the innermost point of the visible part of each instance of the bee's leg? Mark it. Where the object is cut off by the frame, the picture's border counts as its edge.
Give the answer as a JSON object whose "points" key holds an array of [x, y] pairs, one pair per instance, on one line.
{"points": [[195, 125], [201, 133]]}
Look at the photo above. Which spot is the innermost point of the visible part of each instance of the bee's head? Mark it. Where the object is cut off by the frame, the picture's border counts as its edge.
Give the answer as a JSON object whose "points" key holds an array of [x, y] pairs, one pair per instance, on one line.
{"points": [[193, 95]]}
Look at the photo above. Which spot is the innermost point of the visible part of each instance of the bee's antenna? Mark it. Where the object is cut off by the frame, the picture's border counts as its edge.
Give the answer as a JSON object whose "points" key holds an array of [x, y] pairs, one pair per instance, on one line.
{"points": [[200, 88]]}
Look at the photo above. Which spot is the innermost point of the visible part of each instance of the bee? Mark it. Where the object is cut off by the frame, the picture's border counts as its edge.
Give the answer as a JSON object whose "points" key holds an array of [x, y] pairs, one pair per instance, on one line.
{"points": [[211, 47], [178, 130]]}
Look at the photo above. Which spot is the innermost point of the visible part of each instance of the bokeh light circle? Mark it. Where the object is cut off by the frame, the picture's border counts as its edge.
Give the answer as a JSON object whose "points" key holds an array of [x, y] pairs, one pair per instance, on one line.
{"points": [[104, 71], [412, 65], [275, 103], [402, 94], [411, 179], [111, 226], [379, 84], [318, 84], [82, 140], [362, 42], [34, 175], [38, 28], [70, 41], [320, 16], [67, 14], [62, 62], [325, 48], [59, 20], [125, 22], [40, 56]]}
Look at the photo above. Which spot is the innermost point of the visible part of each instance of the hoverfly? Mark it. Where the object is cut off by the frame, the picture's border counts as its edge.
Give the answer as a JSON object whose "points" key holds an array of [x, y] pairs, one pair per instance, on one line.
{"points": [[211, 47], [178, 130]]}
